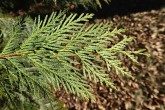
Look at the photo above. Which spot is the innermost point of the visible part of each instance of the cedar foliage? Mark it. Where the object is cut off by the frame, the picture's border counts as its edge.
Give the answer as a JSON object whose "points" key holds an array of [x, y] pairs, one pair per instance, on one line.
{"points": [[42, 56], [14, 5], [85, 3]]}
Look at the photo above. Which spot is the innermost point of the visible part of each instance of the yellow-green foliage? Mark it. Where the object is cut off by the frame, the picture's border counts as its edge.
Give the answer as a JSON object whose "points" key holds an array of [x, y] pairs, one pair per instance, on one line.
{"points": [[59, 51]]}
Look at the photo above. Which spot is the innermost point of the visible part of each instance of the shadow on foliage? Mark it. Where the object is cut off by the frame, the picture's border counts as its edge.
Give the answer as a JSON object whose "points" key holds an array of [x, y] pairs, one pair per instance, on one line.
{"points": [[115, 7]]}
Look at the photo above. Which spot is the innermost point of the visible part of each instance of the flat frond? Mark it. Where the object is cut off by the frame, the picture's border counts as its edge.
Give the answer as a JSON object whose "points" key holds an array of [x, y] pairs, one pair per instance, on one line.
{"points": [[61, 51]]}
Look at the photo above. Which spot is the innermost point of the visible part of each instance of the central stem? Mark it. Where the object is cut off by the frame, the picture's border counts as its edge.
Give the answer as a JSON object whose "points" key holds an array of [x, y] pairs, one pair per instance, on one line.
{"points": [[3, 56]]}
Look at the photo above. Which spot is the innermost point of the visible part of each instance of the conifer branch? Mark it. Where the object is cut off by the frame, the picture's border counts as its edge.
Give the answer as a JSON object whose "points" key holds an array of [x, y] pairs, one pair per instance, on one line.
{"points": [[61, 52]]}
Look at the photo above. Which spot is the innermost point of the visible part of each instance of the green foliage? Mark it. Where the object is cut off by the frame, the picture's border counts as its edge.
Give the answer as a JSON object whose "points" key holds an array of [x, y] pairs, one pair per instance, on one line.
{"points": [[58, 52], [14, 5], [85, 3]]}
